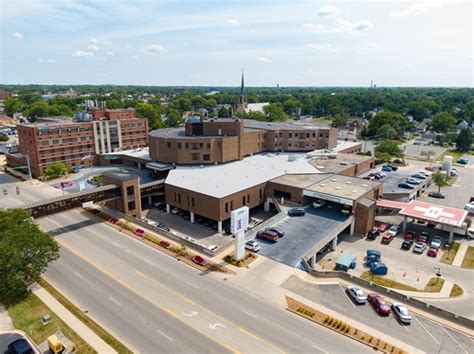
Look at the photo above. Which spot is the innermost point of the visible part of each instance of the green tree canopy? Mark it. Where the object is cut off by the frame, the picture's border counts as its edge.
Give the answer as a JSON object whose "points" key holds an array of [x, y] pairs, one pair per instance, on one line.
{"points": [[443, 122], [441, 180], [339, 120], [390, 147], [386, 131], [25, 252], [37, 109], [396, 121], [224, 113], [4, 137], [56, 169], [173, 118], [150, 112], [275, 113], [12, 105], [464, 140]]}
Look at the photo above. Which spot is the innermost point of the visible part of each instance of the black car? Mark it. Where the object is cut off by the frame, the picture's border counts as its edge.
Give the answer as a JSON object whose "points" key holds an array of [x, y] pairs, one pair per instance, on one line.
{"points": [[376, 176], [296, 212], [406, 245], [372, 234], [405, 186], [278, 230], [20, 346], [394, 168], [436, 195]]}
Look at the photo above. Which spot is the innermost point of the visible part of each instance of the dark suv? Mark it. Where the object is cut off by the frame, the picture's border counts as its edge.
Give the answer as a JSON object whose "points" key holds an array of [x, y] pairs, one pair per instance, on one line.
{"points": [[296, 212], [372, 234], [267, 235]]}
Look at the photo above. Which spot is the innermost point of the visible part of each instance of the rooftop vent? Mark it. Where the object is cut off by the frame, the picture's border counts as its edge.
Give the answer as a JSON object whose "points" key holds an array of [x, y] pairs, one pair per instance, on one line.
{"points": [[338, 187], [320, 167], [354, 191], [333, 180], [322, 184], [343, 163], [364, 185], [348, 182]]}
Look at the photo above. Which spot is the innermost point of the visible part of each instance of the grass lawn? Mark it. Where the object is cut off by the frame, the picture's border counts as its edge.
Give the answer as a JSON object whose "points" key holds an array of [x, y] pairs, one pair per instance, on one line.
{"points": [[455, 154], [27, 315], [456, 291], [449, 254], [388, 283], [468, 261], [434, 285], [102, 333]]}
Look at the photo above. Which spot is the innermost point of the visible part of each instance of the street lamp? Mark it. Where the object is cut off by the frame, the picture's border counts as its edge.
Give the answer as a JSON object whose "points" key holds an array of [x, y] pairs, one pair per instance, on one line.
{"points": [[438, 273]]}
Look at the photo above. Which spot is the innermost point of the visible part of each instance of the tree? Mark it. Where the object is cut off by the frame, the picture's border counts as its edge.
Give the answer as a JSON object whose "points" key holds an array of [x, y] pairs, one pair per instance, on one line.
{"points": [[150, 112], [441, 180], [275, 113], [443, 122], [387, 132], [37, 109], [224, 113], [383, 156], [464, 140], [429, 154], [389, 147], [56, 169], [173, 118], [4, 137], [12, 105], [398, 122], [25, 252], [339, 120]]}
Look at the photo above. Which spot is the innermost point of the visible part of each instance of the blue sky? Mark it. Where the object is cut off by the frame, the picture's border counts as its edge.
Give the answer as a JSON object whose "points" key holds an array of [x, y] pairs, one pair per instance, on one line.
{"points": [[208, 42]]}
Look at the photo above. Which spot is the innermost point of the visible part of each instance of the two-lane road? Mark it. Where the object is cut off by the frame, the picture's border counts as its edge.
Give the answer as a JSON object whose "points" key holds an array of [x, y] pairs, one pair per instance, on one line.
{"points": [[148, 299]]}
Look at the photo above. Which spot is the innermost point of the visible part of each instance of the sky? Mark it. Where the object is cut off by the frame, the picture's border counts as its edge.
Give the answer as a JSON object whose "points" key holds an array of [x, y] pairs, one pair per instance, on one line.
{"points": [[209, 42]]}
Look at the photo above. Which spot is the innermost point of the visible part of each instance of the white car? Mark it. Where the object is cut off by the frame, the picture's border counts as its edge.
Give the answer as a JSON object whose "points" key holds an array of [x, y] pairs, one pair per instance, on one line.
{"points": [[413, 180], [454, 172], [402, 313], [419, 247], [318, 203], [252, 245], [470, 207], [394, 230], [356, 294], [423, 173], [436, 242]]}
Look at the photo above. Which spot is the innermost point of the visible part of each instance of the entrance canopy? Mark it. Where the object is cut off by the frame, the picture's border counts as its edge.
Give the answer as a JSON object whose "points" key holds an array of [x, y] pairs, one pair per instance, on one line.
{"points": [[427, 211]]}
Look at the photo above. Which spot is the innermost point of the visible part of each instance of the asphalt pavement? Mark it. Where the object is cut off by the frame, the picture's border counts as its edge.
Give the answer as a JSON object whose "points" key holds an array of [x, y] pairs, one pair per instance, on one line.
{"points": [[144, 281]]}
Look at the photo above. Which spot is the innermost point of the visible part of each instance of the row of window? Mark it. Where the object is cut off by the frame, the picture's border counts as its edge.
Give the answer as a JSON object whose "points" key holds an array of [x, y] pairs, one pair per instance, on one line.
{"points": [[245, 201], [62, 131], [177, 198], [63, 141]]}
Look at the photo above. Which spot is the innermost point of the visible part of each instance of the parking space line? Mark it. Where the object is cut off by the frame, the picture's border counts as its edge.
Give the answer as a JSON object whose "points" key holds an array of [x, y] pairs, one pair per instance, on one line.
{"points": [[118, 303], [345, 293], [319, 348], [455, 341], [248, 313], [431, 335], [164, 335]]}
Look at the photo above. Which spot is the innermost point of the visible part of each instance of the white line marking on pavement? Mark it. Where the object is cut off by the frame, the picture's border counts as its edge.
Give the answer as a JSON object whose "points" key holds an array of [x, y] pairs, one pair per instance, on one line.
{"points": [[118, 303], [148, 261], [80, 276], [455, 341], [319, 348], [432, 336], [250, 314], [164, 335], [191, 314], [216, 325], [193, 285]]}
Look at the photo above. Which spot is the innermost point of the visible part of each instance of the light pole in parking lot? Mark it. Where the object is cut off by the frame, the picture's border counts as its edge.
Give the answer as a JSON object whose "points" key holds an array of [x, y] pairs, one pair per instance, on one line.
{"points": [[438, 273]]}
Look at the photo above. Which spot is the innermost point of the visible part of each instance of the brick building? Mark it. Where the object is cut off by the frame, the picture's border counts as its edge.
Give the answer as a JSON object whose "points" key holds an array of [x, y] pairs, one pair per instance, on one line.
{"points": [[61, 139]]}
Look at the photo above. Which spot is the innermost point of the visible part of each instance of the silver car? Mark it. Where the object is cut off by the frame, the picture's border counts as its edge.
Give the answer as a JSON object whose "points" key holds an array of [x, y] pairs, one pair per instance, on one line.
{"points": [[356, 294], [402, 313], [419, 247], [436, 242], [252, 245]]}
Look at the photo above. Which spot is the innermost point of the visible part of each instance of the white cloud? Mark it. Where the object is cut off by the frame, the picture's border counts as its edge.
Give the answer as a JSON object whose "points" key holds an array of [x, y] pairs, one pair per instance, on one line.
{"points": [[372, 45], [340, 26], [329, 11], [134, 57], [110, 53], [318, 47], [107, 42], [232, 22], [316, 28], [154, 49], [93, 47], [101, 59], [82, 54], [264, 60], [93, 41], [417, 8], [51, 61], [447, 47], [18, 35]]}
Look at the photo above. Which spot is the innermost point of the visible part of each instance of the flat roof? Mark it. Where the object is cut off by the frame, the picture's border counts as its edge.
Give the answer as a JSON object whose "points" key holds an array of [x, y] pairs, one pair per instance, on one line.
{"points": [[256, 124], [142, 153], [342, 145], [225, 179], [351, 188], [340, 163], [300, 180]]}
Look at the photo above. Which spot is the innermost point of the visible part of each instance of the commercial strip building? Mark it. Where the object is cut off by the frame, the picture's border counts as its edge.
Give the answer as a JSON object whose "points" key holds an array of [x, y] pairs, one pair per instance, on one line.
{"points": [[68, 141]]}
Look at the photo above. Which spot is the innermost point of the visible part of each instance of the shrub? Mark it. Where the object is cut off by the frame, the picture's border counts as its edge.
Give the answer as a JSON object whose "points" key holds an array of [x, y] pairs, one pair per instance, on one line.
{"points": [[326, 320], [370, 339], [348, 328]]}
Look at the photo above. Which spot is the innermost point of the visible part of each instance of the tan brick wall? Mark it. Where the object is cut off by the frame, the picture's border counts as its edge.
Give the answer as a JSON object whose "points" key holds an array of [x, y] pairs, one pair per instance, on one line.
{"points": [[274, 190]]}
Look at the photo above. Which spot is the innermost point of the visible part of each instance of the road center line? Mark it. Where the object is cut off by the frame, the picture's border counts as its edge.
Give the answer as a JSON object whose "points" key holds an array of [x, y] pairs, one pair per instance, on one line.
{"points": [[431, 335], [455, 341], [118, 303], [80, 276], [319, 348], [193, 285], [248, 313], [164, 335]]}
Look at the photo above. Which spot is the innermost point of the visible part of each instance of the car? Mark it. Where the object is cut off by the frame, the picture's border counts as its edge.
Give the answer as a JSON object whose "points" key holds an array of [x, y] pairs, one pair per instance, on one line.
{"points": [[267, 235], [370, 178], [463, 161], [453, 172], [373, 233], [401, 312], [432, 252], [423, 237], [356, 294], [423, 173], [418, 176], [165, 244], [153, 223], [469, 207], [419, 247], [174, 211], [199, 260], [406, 244], [318, 203], [410, 235], [436, 242], [114, 220], [379, 304], [375, 176], [252, 245], [394, 230], [387, 169], [139, 232], [346, 210], [278, 230], [297, 212], [413, 180], [383, 227], [406, 186], [436, 195], [394, 168], [387, 238], [381, 173], [20, 346]]}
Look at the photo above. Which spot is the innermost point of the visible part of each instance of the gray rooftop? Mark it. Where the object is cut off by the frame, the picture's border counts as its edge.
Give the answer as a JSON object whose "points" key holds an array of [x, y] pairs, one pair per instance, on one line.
{"points": [[256, 124]]}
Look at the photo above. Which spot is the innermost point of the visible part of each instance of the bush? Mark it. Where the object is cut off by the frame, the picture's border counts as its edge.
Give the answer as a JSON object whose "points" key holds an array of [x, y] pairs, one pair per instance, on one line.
{"points": [[398, 161]]}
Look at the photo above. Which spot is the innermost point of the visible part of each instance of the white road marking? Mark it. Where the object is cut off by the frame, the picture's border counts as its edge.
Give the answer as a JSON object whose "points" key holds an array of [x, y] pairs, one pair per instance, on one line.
{"points": [[450, 336], [216, 325], [148, 261], [80, 276], [118, 303], [248, 313], [426, 330], [319, 348], [193, 285], [164, 335], [191, 314]]}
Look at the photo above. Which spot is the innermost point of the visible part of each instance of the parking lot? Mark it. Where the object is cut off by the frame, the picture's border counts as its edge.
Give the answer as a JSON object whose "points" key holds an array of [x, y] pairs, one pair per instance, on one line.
{"points": [[303, 234], [423, 333]]}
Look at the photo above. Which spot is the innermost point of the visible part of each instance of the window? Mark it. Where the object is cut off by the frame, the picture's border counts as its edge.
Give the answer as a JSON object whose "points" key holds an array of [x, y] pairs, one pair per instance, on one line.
{"points": [[174, 196], [231, 205], [195, 156], [168, 144], [226, 208], [261, 193], [307, 135], [208, 145], [201, 145], [179, 198], [130, 190], [179, 145], [131, 205], [296, 135], [290, 135], [186, 145], [248, 198], [206, 157], [192, 201], [314, 135], [320, 135], [243, 200], [188, 200]]}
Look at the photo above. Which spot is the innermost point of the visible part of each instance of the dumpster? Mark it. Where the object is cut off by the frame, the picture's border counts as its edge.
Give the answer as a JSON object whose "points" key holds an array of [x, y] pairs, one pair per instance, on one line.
{"points": [[378, 268], [373, 253], [371, 259], [345, 262]]}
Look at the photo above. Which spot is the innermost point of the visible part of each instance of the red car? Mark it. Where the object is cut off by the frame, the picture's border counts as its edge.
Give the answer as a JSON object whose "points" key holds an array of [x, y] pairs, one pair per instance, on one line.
{"points": [[433, 252], [165, 244], [113, 220], [422, 239], [370, 178], [383, 228], [199, 260], [410, 235], [139, 232], [387, 238], [379, 304]]}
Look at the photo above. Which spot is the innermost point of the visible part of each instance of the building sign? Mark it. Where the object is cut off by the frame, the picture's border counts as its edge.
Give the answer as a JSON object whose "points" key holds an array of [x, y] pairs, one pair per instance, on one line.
{"points": [[239, 219], [328, 197], [87, 204]]}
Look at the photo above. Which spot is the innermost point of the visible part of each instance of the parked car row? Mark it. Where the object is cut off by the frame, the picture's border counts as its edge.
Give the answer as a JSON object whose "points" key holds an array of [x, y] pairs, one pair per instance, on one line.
{"points": [[159, 225], [422, 242], [379, 304], [414, 180]]}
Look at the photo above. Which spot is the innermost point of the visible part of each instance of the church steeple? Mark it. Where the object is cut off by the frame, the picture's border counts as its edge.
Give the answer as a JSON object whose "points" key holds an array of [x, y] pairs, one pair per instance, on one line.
{"points": [[242, 85], [242, 105]]}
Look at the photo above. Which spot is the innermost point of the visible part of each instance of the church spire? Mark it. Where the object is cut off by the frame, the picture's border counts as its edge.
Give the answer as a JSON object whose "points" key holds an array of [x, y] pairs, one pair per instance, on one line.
{"points": [[242, 104], [242, 85]]}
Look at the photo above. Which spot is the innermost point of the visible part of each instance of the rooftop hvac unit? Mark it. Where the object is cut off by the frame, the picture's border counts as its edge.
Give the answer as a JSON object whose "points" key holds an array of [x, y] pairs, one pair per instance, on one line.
{"points": [[354, 191], [348, 182], [343, 163], [333, 180], [322, 184], [364, 185], [337, 187]]}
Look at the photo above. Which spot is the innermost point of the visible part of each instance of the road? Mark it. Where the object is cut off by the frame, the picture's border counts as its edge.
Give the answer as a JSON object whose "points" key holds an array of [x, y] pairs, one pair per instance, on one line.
{"points": [[136, 292]]}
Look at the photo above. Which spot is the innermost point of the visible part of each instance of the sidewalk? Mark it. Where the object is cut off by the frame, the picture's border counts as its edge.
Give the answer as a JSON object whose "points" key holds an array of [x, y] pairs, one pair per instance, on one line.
{"points": [[442, 294], [72, 321], [6, 323], [460, 255]]}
